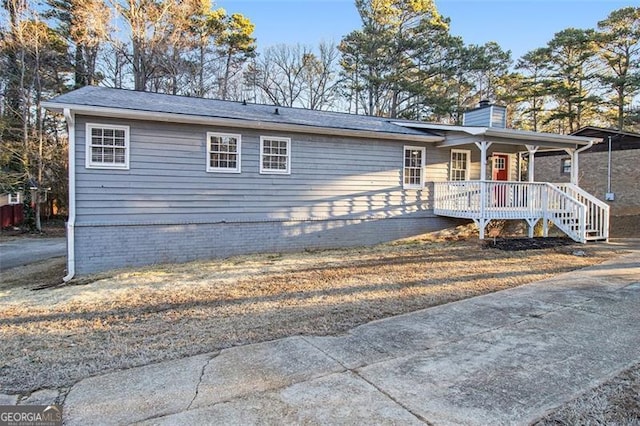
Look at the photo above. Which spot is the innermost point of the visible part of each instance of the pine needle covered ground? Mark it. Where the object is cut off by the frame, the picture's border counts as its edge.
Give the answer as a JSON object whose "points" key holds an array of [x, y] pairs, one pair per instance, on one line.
{"points": [[58, 335]]}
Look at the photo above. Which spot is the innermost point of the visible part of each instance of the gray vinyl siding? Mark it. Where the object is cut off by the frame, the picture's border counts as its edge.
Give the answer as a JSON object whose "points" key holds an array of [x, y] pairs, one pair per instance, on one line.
{"points": [[167, 182], [499, 117], [166, 208], [491, 116]]}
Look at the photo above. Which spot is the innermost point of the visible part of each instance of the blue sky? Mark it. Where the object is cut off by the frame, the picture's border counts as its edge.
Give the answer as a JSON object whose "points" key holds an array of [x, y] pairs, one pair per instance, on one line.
{"points": [[517, 25]]}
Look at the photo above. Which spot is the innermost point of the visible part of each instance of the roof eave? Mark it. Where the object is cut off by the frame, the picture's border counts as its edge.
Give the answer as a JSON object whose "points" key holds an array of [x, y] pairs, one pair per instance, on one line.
{"points": [[534, 137], [522, 137], [233, 122]]}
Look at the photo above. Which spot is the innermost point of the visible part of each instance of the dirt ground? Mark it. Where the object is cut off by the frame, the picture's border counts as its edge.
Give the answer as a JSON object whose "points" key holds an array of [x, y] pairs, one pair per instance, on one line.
{"points": [[50, 229], [625, 227], [55, 336]]}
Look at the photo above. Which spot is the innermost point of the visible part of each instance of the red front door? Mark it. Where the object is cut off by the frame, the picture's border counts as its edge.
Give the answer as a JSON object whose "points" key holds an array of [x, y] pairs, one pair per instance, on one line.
{"points": [[500, 171], [500, 167]]}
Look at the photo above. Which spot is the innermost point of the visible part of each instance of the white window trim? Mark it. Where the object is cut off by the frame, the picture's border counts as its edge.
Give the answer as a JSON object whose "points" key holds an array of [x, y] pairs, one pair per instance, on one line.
{"points": [[468, 166], [97, 165], [422, 165], [13, 198], [210, 169], [275, 171]]}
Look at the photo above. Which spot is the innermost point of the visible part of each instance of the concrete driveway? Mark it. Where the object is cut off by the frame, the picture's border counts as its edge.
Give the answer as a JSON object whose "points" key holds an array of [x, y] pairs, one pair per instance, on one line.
{"points": [[23, 251]]}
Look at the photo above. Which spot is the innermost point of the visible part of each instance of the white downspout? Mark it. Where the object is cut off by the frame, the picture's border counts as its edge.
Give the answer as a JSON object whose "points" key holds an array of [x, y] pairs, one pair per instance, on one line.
{"points": [[609, 168], [71, 252]]}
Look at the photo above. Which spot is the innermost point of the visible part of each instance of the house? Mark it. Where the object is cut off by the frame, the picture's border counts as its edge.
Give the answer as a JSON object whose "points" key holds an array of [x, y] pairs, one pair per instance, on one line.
{"points": [[10, 198], [11, 209], [162, 178], [609, 170]]}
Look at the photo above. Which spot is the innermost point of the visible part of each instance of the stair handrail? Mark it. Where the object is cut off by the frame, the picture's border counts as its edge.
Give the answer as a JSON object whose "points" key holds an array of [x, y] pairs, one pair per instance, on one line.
{"points": [[595, 200], [601, 218], [580, 236]]}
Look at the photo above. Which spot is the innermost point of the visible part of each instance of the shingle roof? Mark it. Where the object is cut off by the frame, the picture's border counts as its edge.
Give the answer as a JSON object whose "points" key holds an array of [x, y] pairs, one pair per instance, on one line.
{"points": [[92, 96]]}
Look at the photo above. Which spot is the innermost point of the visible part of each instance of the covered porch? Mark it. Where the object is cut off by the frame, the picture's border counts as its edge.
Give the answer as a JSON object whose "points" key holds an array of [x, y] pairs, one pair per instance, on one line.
{"points": [[497, 186]]}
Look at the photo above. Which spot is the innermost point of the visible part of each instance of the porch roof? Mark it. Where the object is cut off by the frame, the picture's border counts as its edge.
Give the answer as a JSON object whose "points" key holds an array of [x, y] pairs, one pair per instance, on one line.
{"points": [[502, 136]]}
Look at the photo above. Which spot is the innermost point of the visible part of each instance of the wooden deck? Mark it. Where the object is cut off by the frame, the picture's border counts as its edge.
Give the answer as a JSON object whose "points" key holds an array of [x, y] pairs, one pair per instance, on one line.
{"points": [[577, 213]]}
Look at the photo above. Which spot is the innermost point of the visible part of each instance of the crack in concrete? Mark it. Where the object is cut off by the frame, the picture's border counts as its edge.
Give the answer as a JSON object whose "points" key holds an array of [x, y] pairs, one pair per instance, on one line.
{"points": [[62, 395], [327, 355], [357, 374], [204, 367], [385, 393]]}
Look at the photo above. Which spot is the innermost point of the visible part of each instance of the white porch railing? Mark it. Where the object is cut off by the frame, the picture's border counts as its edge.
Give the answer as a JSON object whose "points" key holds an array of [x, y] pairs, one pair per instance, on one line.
{"points": [[597, 225], [568, 208]]}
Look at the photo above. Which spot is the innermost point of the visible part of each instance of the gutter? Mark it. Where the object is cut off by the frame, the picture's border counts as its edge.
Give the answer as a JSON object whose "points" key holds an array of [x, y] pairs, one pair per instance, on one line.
{"points": [[586, 147], [70, 118], [575, 162]]}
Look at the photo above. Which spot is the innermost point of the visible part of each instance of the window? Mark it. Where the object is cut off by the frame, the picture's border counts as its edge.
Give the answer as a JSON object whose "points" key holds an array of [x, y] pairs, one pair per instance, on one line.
{"points": [[275, 155], [565, 166], [107, 146], [499, 163], [223, 152], [413, 171], [459, 164], [14, 198]]}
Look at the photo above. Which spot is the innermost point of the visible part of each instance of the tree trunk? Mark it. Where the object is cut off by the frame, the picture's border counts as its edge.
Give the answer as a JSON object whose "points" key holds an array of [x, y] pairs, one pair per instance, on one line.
{"points": [[79, 66], [227, 72], [138, 71], [620, 109], [201, 90]]}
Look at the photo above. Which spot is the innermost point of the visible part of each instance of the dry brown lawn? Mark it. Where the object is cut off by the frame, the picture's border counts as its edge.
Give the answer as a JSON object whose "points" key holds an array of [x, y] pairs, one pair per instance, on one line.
{"points": [[53, 337], [616, 402]]}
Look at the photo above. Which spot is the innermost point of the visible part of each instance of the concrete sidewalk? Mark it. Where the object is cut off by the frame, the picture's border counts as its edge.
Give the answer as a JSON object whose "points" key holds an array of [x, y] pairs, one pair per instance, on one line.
{"points": [[503, 358]]}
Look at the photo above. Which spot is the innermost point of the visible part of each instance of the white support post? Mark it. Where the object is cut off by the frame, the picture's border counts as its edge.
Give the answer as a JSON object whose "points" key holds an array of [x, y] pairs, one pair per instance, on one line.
{"points": [[532, 224], [575, 167], [531, 169], [574, 164], [545, 211], [482, 222], [483, 147]]}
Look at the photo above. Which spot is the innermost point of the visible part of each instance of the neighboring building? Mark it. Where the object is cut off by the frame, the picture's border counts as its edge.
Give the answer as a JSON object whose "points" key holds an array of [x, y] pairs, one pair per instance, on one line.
{"points": [[11, 209], [609, 170], [162, 178], [10, 198]]}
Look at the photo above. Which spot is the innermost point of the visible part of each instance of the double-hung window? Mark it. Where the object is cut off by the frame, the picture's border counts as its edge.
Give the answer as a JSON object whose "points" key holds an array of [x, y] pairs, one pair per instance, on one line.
{"points": [[223, 152], [413, 171], [275, 155], [107, 146], [565, 166], [460, 164]]}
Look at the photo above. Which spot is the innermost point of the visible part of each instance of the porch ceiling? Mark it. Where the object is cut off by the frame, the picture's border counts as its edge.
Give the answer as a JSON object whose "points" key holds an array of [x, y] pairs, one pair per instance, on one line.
{"points": [[466, 135]]}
